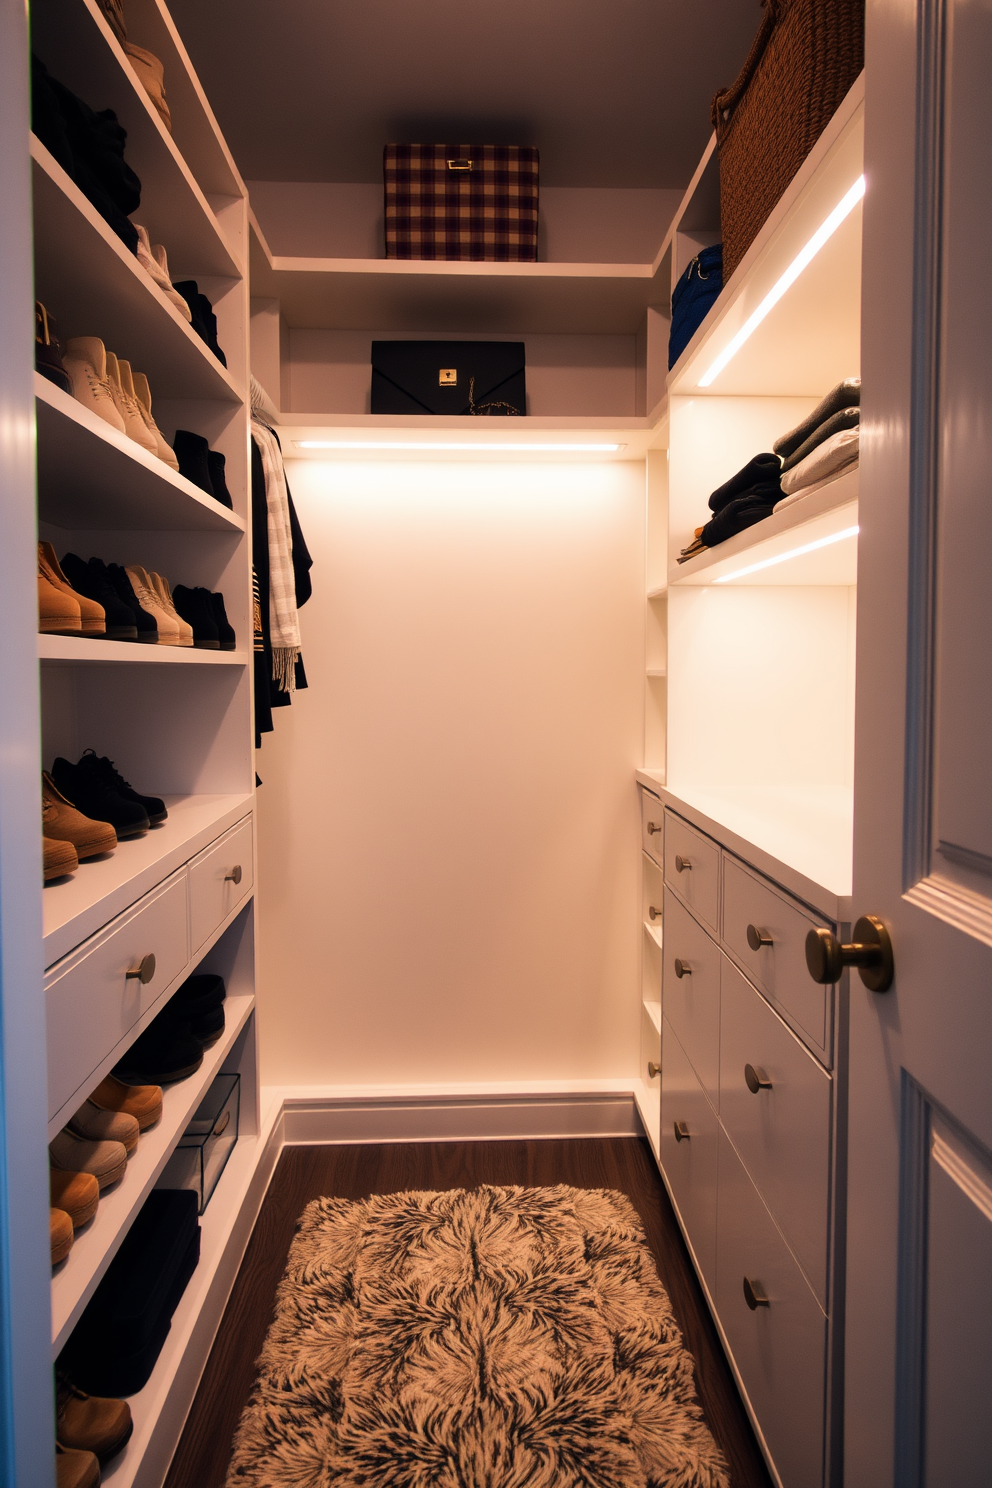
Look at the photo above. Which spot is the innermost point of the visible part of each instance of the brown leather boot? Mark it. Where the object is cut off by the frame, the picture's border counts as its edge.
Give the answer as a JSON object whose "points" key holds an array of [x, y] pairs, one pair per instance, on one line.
{"points": [[78, 1194], [90, 1423], [75, 1469], [61, 822], [59, 1234], [143, 1102]]}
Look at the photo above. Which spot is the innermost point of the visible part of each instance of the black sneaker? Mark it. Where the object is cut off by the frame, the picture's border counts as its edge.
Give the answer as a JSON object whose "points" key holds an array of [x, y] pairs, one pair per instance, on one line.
{"points": [[147, 629], [200, 993], [192, 451], [94, 584], [164, 1053], [225, 630], [100, 767], [194, 606], [88, 792]]}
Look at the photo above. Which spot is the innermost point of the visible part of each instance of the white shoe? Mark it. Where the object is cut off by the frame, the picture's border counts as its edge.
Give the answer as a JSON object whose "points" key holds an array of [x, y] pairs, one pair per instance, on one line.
{"points": [[127, 407], [85, 360], [161, 587], [143, 394], [168, 629], [155, 264]]}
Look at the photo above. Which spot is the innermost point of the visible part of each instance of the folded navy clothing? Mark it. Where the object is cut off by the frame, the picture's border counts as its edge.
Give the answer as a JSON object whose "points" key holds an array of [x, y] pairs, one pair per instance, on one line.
{"points": [[846, 418], [764, 467], [739, 514], [846, 394]]}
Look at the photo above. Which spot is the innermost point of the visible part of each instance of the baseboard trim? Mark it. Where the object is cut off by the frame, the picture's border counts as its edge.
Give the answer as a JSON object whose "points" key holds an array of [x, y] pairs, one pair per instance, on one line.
{"points": [[313, 1117]]}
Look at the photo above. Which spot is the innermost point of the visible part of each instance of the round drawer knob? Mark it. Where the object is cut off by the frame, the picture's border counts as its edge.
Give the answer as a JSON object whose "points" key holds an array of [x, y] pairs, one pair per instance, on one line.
{"points": [[757, 938], [654, 913], [682, 968], [653, 1069], [756, 1079], [143, 972], [754, 1295], [682, 1132], [682, 865], [235, 875], [653, 827], [870, 952]]}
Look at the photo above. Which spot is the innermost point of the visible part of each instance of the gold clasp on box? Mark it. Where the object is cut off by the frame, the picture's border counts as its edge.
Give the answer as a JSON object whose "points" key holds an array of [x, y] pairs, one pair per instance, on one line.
{"points": [[460, 165], [447, 377]]}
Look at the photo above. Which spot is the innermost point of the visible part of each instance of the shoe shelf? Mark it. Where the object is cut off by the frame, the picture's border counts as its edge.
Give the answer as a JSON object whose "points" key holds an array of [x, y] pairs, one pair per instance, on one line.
{"points": [[94, 286], [653, 1010], [78, 47], [829, 509], [90, 475], [76, 907], [412, 434], [87, 649], [97, 1243], [655, 932]]}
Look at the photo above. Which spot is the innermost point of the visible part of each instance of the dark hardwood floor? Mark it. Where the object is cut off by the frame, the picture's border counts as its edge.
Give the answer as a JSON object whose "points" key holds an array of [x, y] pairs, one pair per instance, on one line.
{"points": [[305, 1173]]}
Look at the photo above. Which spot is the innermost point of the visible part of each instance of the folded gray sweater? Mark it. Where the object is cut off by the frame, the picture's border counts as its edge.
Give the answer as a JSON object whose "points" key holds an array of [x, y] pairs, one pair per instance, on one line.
{"points": [[847, 418], [846, 394]]}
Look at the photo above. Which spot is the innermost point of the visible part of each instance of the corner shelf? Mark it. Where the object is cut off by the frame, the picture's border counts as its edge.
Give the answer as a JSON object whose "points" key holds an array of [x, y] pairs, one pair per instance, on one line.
{"points": [[96, 1245], [85, 650], [93, 285], [92, 476]]}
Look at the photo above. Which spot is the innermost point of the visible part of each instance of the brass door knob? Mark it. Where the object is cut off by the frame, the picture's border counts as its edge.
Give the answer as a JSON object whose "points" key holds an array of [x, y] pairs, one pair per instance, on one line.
{"points": [[654, 827], [870, 951], [682, 1132], [143, 972], [754, 1295], [682, 865], [682, 968], [653, 1069], [235, 875], [654, 913], [755, 1079], [757, 938]]}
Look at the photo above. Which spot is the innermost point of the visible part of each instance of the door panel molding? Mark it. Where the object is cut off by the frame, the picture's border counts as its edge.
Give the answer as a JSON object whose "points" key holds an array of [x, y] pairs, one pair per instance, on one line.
{"points": [[914, 1144], [962, 908]]}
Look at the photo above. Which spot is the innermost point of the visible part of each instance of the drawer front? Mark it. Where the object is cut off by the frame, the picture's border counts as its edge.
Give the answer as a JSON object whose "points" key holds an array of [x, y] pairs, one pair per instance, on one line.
{"points": [[90, 1002], [651, 1083], [780, 1349], [692, 868], [652, 826], [778, 969], [213, 892], [781, 1132], [689, 1159], [691, 1002]]}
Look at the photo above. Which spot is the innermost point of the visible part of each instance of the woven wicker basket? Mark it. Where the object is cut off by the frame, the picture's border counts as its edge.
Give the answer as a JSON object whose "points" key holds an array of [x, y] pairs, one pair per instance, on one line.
{"points": [[805, 57]]}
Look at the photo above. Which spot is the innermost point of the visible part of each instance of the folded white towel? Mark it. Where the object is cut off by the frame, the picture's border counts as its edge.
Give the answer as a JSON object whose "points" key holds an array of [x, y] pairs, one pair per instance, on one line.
{"points": [[828, 459]]}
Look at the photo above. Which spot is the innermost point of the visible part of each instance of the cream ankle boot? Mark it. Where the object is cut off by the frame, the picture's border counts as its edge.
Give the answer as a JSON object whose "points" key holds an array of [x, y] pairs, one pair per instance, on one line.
{"points": [[127, 404], [168, 628], [143, 394], [85, 360], [155, 264], [164, 593]]}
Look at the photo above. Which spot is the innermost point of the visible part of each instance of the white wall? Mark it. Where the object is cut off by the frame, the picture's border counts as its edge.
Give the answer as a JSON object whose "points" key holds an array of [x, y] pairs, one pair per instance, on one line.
{"points": [[448, 837]]}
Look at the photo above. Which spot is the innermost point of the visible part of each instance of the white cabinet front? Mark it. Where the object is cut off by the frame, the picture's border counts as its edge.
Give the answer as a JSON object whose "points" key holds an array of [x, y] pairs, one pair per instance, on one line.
{"points": [[689, 1142], [218, 880], [692, 868], [691, 992]]}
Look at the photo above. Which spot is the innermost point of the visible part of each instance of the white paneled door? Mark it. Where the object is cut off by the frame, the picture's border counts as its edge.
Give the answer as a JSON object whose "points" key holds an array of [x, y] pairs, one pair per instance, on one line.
{"points": [[919, 1300]]}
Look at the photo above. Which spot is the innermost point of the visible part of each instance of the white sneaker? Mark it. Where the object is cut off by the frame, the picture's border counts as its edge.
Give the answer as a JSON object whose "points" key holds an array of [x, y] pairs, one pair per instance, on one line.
{"points": [[168, 629], [85, 360], [127, 407], [143, 394], [164, 594], [155, 264]]}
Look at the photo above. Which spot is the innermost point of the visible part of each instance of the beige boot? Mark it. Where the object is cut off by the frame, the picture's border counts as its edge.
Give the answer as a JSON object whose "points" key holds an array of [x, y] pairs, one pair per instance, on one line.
{"points": [[127, 404], [92, 616], [168, 628], [155, 264], [85, 360], [164, 593], [143, 397]]}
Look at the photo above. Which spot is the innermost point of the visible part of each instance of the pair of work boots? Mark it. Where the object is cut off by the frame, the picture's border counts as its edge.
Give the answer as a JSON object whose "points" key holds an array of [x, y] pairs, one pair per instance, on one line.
{"points": [[86, 807], [89, 1431]]}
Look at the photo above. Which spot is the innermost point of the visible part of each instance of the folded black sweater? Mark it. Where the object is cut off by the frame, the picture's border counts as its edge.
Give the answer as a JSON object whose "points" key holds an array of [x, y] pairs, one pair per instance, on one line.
{"points": [[762, 468]]}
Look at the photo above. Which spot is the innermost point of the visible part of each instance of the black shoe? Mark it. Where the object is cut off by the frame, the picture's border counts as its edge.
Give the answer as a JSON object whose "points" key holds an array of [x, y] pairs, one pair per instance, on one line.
{"points": [[194, 606], [204, 321], [218, 477], [225, 630], [94, 584], [88, 792], [192, 452], [101, 768], [201, 993], [164, 1053], [147, 629]]}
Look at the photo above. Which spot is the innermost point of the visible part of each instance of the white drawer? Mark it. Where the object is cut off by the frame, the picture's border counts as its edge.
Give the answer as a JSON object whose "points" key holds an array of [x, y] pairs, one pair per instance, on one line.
{"points": [[689, 1159], [780, 1349], [778, 968], [652, 894], [651, 1083], [692, 868], [781, 1132], [652, 825], [91, 1004], [213, 889], [691, 992]]}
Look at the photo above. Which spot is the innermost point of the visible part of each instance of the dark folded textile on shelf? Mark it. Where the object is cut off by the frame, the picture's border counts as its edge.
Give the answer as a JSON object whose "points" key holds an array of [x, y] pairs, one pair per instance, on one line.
{"points": [[740, 514], [846, 394], [762, 468], [845, 418]]}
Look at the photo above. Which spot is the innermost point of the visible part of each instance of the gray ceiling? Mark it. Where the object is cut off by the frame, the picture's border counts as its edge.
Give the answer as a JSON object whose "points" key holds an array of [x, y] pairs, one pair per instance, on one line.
{"points": [[614, 92]]}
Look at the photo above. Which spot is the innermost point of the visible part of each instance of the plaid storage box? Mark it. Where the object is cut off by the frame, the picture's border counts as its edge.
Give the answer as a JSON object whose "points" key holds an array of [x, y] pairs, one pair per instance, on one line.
{"points": [[461, 202]]}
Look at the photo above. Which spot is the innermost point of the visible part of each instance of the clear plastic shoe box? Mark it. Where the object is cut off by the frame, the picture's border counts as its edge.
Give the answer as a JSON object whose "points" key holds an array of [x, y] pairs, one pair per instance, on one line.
{"points": [[207, 1142]]}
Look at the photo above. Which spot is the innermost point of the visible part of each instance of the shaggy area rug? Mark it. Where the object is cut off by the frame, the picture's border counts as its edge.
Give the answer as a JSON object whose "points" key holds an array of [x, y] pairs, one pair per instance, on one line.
{"points": [[498, 1338]]}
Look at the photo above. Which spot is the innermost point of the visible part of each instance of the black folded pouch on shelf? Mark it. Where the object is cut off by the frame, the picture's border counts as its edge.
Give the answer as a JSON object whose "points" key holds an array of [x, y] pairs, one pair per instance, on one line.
{"points": [[481, 378], [114, 1346]]}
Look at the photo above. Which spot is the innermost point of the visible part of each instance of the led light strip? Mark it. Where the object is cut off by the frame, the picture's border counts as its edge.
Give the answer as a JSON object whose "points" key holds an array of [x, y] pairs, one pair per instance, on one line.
{"points": [[821, 542], [525, 449], [816, 242]]}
